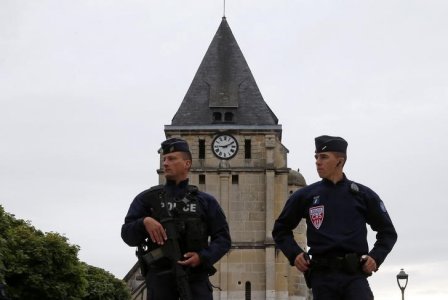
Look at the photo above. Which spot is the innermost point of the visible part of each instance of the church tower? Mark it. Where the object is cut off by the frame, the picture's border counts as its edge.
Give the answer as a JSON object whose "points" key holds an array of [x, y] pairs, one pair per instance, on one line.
{"points": [[238, 157]]}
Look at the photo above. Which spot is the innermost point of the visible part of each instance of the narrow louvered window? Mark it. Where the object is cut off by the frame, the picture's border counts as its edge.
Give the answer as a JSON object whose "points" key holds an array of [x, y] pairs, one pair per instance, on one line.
{"points": [[201, 149], [247, 149]]}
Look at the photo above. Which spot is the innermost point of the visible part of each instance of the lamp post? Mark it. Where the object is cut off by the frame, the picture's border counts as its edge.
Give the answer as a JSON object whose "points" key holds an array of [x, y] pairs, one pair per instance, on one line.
{"points": [[402, 280]]}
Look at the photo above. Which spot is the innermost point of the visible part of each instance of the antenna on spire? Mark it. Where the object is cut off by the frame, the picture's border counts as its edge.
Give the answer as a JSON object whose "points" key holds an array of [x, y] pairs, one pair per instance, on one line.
{"points": [[224, 13]]}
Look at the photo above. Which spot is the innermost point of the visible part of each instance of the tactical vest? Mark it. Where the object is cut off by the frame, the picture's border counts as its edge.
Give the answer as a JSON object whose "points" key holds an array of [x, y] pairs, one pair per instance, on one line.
{"points": [[188, 214]]}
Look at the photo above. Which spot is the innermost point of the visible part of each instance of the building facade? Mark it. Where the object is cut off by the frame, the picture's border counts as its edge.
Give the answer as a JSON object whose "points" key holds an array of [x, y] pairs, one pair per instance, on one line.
{"points": [[238, 157]]}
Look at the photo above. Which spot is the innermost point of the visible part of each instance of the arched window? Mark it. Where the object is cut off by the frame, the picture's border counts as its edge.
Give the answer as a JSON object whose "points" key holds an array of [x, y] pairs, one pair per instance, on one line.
{"points": [[248, 290]]}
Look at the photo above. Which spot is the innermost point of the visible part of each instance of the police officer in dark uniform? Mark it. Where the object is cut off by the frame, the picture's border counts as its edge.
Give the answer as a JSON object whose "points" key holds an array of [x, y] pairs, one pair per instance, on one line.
{"points": [[336, 211], [200, 224]]}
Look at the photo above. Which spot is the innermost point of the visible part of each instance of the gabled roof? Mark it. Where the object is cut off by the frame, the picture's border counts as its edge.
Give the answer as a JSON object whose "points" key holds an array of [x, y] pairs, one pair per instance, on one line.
{"points": [[223, 85]]}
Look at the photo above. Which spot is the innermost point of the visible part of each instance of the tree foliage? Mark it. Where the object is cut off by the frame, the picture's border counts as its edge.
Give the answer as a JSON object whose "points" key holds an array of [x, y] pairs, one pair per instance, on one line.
{"points": [[103, 285], [37, 265]]}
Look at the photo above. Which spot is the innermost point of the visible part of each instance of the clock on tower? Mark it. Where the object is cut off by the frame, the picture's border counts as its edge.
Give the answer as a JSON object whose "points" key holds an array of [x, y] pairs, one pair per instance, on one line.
{"points": [[225, 146]]}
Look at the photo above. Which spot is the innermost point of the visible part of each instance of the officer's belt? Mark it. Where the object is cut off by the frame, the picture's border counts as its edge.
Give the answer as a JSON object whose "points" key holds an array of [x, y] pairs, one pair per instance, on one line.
{"points": [[350, 263]]}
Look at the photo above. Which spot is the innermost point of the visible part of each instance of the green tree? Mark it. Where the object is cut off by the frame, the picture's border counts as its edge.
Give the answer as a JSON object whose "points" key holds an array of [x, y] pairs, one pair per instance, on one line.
{"points": [[40, 266], [37, 265], [104, 286]]}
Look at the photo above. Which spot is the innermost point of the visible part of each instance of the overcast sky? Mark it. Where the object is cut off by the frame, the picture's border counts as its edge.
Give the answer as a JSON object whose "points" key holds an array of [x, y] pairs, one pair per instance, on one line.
{"points": [[87, 86]]}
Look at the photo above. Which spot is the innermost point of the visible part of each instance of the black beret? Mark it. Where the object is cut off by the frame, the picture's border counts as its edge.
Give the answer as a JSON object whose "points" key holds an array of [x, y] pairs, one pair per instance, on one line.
{"points": [[326, 143], [174, 145]]}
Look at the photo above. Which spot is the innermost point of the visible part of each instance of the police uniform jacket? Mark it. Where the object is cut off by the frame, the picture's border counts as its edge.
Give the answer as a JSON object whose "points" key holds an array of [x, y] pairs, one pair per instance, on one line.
{"points": [[336, 216], [133, 231]]}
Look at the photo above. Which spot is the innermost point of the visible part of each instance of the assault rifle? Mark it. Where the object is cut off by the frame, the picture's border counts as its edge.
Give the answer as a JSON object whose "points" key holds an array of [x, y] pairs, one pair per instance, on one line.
{"points": [[171, 250]]}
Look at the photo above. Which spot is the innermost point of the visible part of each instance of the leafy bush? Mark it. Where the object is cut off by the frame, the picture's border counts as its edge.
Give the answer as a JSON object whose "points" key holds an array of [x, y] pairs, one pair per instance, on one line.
{"points": [[37, 265]]}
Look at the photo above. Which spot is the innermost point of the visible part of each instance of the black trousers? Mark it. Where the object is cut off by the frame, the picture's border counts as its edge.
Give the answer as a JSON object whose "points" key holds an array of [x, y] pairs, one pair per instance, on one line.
{"points": [[338, 285], [163, 287]]}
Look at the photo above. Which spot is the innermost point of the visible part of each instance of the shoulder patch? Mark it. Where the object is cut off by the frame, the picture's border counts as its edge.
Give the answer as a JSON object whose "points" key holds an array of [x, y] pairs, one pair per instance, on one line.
{"points": [[354, 188], [317, 214]]}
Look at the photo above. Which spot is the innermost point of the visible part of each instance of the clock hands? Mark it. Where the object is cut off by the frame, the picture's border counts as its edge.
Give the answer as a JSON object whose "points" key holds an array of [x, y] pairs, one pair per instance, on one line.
{"points": [[225, 146]]}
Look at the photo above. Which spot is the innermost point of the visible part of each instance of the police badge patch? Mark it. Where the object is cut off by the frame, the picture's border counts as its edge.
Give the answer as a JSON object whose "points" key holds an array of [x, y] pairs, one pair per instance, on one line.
{"points": [[317, 215]]}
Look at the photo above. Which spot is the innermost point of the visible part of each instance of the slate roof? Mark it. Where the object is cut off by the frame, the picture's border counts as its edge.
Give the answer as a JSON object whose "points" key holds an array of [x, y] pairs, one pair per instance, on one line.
{"points": [[223, 85]]}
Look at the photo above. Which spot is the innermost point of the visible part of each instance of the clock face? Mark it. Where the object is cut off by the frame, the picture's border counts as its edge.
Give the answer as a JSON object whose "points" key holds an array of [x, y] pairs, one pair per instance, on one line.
{"points": [[225, 146]]}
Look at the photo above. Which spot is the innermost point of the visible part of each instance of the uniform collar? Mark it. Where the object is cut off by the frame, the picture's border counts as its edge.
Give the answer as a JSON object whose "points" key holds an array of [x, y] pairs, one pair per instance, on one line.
{"points": [[176, 189], [340, 182]]}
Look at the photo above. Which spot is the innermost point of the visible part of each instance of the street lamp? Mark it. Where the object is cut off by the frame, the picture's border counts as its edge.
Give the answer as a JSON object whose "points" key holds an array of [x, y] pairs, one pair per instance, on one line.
{"points": [[402, 280]]}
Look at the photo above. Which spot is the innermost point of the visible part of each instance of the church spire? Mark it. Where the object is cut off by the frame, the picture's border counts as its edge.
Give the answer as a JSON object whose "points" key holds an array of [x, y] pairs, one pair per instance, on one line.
{"points": [[223, 89]]}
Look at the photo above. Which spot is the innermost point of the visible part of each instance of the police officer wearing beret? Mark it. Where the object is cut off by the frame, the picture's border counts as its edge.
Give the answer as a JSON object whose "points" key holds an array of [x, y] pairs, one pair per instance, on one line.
{"points": [[337, 211], [200, 222]]}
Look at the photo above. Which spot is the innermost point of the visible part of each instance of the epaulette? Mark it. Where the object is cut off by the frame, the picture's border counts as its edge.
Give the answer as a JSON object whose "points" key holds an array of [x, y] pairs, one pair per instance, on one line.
{"points": [[151, 191], [156, 188]]}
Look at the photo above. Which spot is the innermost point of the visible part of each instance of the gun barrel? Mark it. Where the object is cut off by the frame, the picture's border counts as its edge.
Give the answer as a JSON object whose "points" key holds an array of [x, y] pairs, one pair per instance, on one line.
{"points": [[174, 254]]}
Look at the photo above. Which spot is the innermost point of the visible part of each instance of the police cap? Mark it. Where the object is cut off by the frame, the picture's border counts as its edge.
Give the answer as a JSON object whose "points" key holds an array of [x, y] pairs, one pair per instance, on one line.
{"points": [[174, 145], [326, 143]]}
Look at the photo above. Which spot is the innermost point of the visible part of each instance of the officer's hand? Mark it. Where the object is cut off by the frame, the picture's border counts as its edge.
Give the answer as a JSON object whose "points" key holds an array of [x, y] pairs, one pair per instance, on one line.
{"points": [[155, 230], [301, 263], [191, 259], [368, 264]]}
